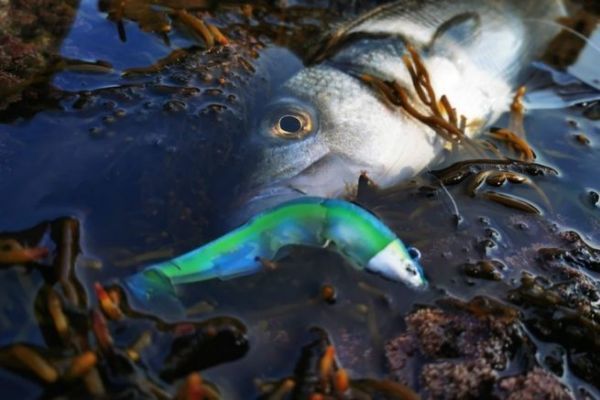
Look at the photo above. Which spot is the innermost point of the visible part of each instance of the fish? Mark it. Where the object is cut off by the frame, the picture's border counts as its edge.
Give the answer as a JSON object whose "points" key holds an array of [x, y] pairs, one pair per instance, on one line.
{"points": [[323, 127]]}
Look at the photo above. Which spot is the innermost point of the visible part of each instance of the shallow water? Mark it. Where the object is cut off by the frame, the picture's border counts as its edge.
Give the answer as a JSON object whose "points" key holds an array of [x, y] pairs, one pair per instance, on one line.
{"points": [[145, 165]]}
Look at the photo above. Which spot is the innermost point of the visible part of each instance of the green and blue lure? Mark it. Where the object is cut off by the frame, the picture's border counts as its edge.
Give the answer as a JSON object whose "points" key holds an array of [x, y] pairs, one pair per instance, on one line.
{"points": [[355, 233]]}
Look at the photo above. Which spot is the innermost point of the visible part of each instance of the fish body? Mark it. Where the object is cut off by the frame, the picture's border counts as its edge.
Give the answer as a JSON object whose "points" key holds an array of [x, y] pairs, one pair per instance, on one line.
{"points": [[324, 126]]}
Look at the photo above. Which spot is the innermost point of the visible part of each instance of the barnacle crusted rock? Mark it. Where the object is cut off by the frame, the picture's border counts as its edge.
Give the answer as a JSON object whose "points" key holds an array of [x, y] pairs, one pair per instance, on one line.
{"points": [[30, 34], [537, 384], [462, 346]]}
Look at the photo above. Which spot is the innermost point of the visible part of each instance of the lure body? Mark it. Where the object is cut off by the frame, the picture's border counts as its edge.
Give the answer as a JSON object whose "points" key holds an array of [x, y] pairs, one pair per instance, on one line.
{"points": [[357, 234]]}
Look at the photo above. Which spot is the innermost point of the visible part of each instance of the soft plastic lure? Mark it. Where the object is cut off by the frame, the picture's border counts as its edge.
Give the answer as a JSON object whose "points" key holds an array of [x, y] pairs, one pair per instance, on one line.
{"points": [[356, 233]]}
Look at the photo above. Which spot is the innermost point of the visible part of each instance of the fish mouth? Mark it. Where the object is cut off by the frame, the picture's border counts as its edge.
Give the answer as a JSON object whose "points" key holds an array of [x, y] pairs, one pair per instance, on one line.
{"points": [[267, 193], [261, 199], [269, 196], [329, 176]]}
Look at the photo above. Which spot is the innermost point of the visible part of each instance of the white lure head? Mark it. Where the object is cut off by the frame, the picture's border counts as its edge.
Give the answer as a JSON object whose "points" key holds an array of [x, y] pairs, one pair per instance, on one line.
{"points": [[395, 262]]}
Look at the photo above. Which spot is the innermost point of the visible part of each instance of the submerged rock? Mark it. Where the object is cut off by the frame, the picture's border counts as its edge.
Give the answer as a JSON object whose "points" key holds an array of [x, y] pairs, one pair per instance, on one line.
{"points": [[457, 349], [462, 348], [447, 380], [30, 35], [460, 353], [537, 384]]}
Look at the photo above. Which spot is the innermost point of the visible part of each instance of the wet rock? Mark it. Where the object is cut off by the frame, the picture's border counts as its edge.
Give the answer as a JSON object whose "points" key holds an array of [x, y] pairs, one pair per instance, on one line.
{"points": [[318, 374], [586, 365], [463, 345], [486, 269], [562, 310], [593, 198], [582, 139], [174, 106], [458, 350], [563, 307], [306, 371], [30, 35], [576, 253], [537, 384], [199, 346], [328, 294], [464, 380], [400, 352], [593, 111]]}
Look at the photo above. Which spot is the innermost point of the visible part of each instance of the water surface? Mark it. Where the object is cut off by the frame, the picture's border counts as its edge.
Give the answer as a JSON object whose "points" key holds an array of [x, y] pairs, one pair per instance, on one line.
{"points": [[145, 164]]}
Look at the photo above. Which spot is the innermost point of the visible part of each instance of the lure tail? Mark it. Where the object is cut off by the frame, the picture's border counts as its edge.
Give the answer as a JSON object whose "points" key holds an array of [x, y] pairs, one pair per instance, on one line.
{"points": [[151, 289]]}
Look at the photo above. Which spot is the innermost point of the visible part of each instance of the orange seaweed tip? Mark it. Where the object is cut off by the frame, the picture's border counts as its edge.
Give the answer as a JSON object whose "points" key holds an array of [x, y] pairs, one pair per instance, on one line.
{"points": [[341, 380], [101, 292], [193, 387]]}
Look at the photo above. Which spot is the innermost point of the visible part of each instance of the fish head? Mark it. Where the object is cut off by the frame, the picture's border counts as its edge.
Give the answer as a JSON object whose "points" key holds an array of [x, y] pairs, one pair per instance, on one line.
{"points": [[319, 133]]}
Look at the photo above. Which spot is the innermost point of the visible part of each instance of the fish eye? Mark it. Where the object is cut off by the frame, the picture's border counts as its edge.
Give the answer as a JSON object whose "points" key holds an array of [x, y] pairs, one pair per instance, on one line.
{"points": [[292, 125], [414, 253], [288, 119]]}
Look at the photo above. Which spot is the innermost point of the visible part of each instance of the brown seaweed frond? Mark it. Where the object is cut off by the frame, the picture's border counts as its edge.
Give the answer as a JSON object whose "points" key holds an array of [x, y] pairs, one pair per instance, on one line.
{"points": [[196, 25], [517, 112], [458, 171], [209, 33], [328, 380], [13, 252], [61, 298], [511, 201], [495, 178], [148, 17], [194, 387], [496, 173], [440, 115], [517, 143], [172, 58], [157, 16], [21, 357], [82, 355], [498, 178]]}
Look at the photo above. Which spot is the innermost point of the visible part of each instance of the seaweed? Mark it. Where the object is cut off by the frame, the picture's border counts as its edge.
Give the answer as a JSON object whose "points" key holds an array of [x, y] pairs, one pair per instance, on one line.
{"points": [[496, 173], [462, 349], [319, 375], [516, 143], [450, 126], [83, 357]]}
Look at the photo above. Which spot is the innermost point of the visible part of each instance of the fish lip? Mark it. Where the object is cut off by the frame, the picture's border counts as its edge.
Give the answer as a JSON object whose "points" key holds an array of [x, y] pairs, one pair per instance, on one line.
{"points": [[314, 180], [261, 199], [270, 191]]}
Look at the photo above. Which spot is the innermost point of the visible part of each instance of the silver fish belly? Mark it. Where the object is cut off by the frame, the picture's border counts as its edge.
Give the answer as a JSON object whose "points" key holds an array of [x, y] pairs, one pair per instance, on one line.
{"points": [[325, 127]]}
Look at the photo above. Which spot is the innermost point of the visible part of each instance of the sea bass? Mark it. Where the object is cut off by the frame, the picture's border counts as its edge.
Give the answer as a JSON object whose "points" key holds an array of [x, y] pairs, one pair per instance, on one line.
{"points": [[324, 127]]}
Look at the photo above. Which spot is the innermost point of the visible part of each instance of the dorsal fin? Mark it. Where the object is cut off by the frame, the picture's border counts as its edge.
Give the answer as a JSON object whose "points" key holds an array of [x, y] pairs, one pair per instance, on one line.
{"points": [[363, 25]]}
